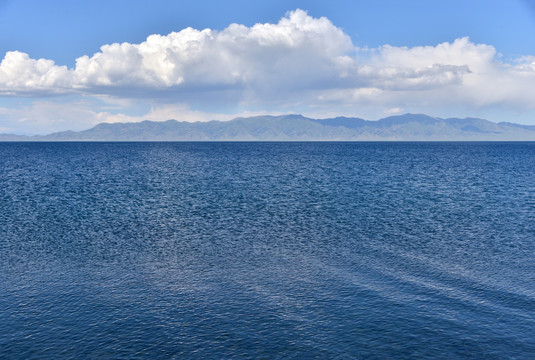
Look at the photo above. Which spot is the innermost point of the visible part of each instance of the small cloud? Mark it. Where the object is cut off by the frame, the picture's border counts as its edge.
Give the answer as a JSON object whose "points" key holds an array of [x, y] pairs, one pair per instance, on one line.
{"points": [[393, 111]]}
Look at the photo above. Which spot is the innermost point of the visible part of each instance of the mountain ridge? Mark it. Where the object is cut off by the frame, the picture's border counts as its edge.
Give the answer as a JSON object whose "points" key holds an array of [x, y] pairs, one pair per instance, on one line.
{"points": [[294, 127]]}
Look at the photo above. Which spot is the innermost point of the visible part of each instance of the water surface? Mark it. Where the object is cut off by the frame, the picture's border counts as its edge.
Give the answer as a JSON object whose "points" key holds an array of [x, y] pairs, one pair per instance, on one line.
{"points": [[267, 250]]}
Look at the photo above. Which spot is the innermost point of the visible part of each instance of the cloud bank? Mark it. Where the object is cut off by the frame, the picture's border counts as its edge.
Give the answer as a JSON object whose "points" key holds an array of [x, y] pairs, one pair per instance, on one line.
{"points": [[300, 61]]}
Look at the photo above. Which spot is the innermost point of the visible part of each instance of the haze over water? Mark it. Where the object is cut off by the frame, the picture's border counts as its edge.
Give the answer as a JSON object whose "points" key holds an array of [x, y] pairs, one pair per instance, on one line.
{"points": [[267, 250]]}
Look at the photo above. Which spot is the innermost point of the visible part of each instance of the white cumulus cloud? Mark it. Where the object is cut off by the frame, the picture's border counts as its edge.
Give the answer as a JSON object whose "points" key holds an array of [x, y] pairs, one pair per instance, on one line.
{"points": [[20, 74], [299, 47]]}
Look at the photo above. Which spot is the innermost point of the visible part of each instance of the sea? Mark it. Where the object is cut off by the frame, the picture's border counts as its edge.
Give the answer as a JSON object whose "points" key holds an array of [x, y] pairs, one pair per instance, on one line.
{"points": [[275, 250]]}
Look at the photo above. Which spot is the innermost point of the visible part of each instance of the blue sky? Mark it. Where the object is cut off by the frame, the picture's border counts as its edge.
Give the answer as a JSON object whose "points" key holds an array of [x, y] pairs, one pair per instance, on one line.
{"points": [[356, 58]]}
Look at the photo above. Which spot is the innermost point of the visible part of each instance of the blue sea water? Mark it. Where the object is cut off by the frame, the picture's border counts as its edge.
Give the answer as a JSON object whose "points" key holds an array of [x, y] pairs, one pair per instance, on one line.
{"points": [[267, 250]]}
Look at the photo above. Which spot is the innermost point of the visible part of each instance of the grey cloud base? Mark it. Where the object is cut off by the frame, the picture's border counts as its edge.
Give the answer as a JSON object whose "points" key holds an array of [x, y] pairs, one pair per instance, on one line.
{"points": [[408, 127]]}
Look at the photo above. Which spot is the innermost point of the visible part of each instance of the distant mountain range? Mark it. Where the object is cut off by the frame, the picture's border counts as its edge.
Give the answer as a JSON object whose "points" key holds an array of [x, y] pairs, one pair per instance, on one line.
{"points": [[408, 127]]}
